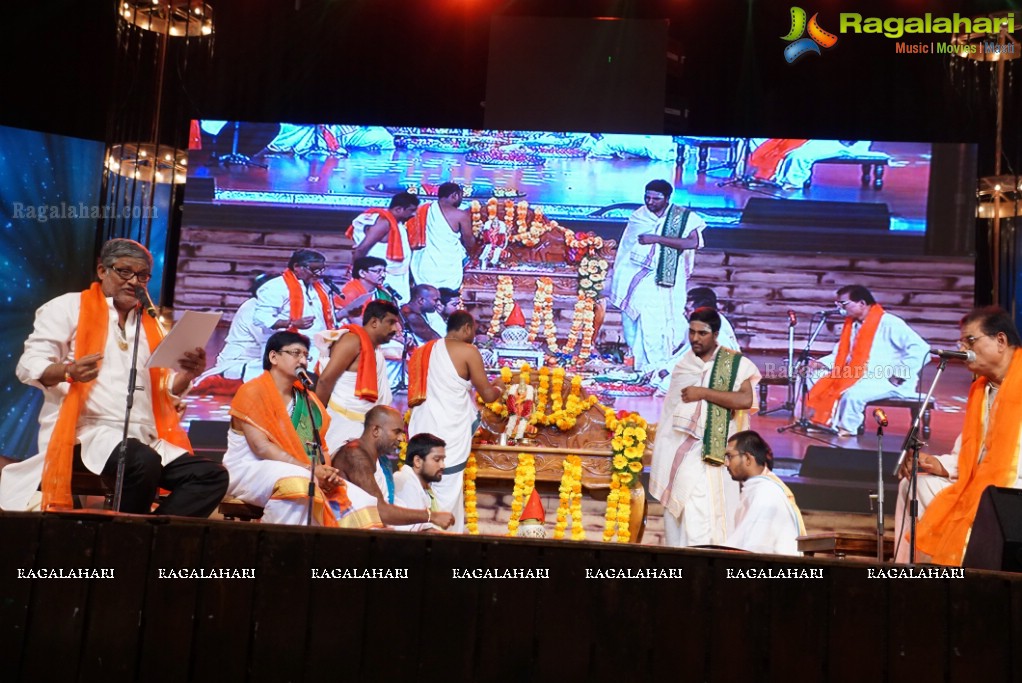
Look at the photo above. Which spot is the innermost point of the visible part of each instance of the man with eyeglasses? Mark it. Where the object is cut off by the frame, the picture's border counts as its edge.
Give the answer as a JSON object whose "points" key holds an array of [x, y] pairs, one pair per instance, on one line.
{"points": [[654, 259], [368, 275], [297, 300], [79, 354], [269, 452], [768, 519], [986, 453], [878, 356], [383, 233]]}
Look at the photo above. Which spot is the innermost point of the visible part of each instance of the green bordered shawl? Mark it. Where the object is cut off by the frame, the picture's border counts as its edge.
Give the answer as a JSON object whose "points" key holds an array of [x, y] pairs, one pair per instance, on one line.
{"points": [[301, 422], [667, 264], [718, 418]]}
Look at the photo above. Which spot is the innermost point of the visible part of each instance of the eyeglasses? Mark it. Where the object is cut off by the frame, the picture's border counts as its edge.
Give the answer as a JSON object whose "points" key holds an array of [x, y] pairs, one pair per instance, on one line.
{"points": [[316, 270], [728, 456], [127, 273], [965, 343], [379, 270], [841, 304], [295, 353]]}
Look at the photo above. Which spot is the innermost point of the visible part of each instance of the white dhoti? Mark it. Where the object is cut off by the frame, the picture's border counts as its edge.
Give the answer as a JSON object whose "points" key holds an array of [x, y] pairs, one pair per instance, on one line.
{"points": [[441, 262], [449, 412], [699, 497]]}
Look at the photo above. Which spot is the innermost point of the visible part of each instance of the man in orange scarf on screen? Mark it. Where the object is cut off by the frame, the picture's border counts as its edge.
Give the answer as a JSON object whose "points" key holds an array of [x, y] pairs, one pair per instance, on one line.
{"points": [[986, 453], [298, 300], [382, 233], [79, 354], [878, 356]]}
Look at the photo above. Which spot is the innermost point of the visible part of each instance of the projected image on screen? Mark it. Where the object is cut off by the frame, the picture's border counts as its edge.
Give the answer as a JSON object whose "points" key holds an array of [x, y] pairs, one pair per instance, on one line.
{"points": [[559, 243]]}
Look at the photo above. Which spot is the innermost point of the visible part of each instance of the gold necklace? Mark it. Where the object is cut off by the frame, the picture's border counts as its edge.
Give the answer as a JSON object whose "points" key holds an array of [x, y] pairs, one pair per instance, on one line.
{"points": [[122, 338]]}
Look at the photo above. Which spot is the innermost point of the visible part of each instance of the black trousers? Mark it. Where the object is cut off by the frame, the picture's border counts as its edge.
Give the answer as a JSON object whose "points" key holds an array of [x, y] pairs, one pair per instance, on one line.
{"points": [[196, 484]]}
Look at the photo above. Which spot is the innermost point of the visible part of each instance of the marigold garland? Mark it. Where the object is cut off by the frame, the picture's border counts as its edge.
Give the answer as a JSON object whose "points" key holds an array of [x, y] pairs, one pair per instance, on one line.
{"points": [[543, 312], [503, 302], [570, 500], [471, 511], [499, 407], [628, 446], [477, 218], [525, 482]]}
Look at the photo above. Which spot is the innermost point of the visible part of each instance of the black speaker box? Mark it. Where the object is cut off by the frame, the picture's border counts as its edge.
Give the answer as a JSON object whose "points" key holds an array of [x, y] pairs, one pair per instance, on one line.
{"points": [[209, 438], [846, 464], [996, 539], [817, 214]]}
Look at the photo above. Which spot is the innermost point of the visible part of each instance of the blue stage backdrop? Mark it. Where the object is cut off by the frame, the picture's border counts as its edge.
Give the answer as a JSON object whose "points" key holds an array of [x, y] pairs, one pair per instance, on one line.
{"points": [[49, 186]]}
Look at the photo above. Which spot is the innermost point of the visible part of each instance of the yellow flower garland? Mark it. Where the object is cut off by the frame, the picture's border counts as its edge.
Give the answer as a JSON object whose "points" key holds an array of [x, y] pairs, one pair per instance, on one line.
{"points": [[499, 407], [525, 481], [628, 445], [570, 500], [471, 512], [543, 313], [503, 302]]}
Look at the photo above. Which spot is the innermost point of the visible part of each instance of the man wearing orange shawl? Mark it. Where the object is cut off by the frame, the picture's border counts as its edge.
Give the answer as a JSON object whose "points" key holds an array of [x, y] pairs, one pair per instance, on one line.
{"points": [[877, 356], [354, 378], [79, 355], [441, 376], [448, 239], [986, 453], [297, 300], [268, 447], [383, 233]]}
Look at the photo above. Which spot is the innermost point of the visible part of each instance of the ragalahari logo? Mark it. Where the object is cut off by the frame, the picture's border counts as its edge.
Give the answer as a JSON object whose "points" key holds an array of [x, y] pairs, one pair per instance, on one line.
{"points": [[799, 46]]}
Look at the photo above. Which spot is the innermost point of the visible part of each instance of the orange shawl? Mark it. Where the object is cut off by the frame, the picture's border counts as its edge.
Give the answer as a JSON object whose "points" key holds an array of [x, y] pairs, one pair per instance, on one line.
{"points": [[416, 227], [395, 251], [826, 392], [943, 531], [366, 386], [768, 156], [296, 297], [418, 372], [258, 404], [90, 337]]}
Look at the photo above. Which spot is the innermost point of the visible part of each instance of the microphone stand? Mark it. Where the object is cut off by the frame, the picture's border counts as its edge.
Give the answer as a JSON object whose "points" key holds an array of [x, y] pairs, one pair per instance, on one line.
{"points": [[802, 425], [406, 338], [913, 442], [122, 450], [789, 401], [314, 449], [881, 423]]}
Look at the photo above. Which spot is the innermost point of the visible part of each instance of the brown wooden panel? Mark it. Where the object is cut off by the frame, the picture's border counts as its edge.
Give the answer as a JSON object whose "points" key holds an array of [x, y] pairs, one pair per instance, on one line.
{"points": [[1015, 632], [281, 608], [739, 613], [58, 607], [563, 629], [393, 606], [168, 623], [798, 627], [224, 608], [507, 613], [677, 608], [337, 608], [857, 629], [917, 618], [112, 636], [979, 623], [449, 606], [20, 545]]}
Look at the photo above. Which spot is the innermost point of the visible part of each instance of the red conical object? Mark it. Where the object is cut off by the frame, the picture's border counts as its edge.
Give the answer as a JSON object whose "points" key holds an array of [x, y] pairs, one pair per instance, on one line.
{"points": [[517, 318], [533, 509]]}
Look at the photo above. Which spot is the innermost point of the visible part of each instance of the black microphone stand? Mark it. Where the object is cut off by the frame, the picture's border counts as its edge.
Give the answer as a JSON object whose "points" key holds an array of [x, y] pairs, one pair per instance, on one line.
{"points": [[881, 423], [789, 399], [406, 339], [122, 450], [802, 425], [314, 449]]}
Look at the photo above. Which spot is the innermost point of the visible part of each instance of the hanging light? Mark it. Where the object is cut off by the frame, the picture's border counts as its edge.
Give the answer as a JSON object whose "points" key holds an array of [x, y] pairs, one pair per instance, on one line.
{"points": [[178, 18], [148, 162]]}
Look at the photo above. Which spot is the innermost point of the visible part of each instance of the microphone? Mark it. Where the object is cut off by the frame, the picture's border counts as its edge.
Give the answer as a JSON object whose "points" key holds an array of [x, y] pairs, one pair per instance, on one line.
{"points": [[390, 290], [792, 319], [880, 416], [304, 378], [967, 356], [833, 310], [331, 285], [144, 301]]}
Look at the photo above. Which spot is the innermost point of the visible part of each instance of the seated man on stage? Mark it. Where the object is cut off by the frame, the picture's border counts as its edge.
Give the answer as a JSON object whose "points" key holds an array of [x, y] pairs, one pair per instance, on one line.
{"points": [[297, 300], [364, 461], [368, 274], [421, 314], [711, 388], [446, 231], [79, 354], [450, 301], [355, 377], [654, 259], [274, 423], [768, 520], [985, 453], [878, 356], [442, 374], [382, 233], [789, 163], [424, 466]]}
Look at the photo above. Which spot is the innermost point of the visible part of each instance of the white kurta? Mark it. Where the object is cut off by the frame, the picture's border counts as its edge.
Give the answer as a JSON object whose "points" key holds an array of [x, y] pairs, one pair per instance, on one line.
{"points": [[408, 493], [253, 480], [766, 521], [449, 412], [651, 315], [897, 351], [699, 498], [397, 271], [273, 303], [347, 411], [101, 422], [440, 262], [242, 354]]}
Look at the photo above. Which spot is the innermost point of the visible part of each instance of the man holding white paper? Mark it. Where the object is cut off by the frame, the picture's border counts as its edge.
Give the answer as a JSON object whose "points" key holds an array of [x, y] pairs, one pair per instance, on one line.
{"points": [[79, 354]]}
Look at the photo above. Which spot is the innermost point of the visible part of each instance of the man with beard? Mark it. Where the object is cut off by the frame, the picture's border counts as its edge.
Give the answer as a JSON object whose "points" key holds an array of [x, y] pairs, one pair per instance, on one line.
{"points": [[711, 389], [424, 465], [448, 239], [364, 462]]}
